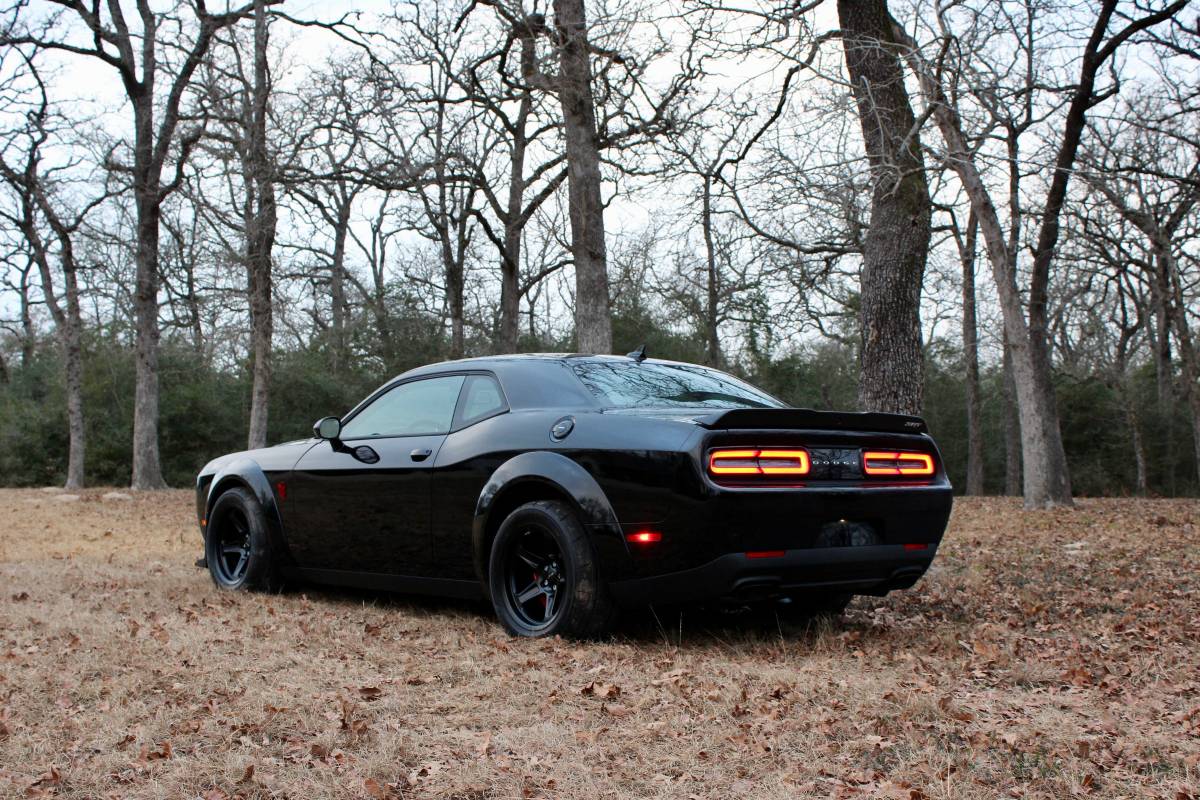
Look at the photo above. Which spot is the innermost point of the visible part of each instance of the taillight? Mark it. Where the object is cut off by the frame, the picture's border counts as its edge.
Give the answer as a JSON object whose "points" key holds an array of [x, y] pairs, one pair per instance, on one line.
{"points": [[893, 463], [724, 463]]}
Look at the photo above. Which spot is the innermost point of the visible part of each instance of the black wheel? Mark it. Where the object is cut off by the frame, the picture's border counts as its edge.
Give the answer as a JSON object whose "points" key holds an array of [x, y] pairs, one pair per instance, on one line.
{"points": [[237, 546], [543, 577]]}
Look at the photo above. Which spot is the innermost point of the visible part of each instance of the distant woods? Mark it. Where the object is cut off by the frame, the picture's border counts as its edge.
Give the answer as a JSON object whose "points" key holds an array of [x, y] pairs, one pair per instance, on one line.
{"points": [[220, 223]]}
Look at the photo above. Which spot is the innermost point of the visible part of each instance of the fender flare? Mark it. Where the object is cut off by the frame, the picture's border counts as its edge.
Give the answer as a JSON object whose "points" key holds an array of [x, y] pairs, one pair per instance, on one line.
{"points": [[554, 471], [246, 472]]}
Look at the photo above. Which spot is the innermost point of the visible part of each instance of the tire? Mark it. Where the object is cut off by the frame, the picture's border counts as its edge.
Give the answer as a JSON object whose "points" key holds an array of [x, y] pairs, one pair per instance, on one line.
{"points": [[543, 576], [237, 545]]}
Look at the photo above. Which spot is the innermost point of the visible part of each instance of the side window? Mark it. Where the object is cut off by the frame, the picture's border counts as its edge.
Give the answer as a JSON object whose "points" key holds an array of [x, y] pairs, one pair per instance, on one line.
{"points": [[481, 398], [420, 407]]}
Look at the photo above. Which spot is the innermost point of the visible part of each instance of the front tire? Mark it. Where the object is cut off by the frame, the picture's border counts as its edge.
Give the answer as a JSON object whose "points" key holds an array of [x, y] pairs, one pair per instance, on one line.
{"points": [[543, 576], [237, 545]]}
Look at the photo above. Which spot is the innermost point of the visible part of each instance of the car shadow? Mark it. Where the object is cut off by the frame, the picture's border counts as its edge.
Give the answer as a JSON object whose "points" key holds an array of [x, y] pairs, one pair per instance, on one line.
{"points": [[744, 625], [698, 626]]}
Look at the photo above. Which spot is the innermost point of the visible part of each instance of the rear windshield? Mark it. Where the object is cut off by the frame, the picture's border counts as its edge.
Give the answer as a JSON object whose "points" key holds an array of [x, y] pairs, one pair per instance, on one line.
{"points": [[629, 384]]}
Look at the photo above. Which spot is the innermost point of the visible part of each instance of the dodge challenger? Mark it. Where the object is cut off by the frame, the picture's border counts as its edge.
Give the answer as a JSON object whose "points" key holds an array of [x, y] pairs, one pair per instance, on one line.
{"points": [[566, 487]]}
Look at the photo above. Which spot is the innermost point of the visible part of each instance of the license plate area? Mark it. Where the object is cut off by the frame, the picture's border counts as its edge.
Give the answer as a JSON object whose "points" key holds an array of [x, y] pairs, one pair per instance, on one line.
{"points": [[834, 464]]}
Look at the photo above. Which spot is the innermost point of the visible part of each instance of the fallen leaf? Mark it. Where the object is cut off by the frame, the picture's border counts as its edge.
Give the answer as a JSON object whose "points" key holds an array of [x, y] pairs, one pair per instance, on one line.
{"points": [[603, 691], [374, 789]]}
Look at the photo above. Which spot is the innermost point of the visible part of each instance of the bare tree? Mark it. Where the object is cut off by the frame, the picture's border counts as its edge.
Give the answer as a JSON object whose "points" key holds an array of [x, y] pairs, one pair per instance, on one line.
{"points": [[1147, 167], [325, 128], [511, 111], [155, 140], [1046, 477], [31, 181]]}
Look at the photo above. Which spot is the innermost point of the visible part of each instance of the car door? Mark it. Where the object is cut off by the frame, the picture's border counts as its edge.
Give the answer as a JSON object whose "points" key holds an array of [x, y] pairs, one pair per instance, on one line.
{"points": [[469, 456], [362, 503]]}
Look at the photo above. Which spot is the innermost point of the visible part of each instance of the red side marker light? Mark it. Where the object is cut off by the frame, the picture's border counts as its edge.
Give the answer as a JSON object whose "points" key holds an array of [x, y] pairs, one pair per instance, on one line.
{"points": [[916, 546], [281, 490], [766, 554], [644, 537], [893, 463]]}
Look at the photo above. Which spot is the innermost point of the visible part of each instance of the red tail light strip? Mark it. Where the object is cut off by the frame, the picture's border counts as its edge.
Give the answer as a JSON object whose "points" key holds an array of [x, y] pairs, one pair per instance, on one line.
{"points": [[893, 463], [758, 462]]}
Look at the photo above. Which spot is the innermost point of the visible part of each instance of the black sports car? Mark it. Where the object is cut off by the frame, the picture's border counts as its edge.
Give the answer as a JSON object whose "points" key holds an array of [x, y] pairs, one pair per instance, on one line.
{"points": [[563, 487]]}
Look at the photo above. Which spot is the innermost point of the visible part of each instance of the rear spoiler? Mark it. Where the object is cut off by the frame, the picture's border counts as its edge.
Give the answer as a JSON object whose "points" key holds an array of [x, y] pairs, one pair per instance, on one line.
{"points": [[808, 419]]}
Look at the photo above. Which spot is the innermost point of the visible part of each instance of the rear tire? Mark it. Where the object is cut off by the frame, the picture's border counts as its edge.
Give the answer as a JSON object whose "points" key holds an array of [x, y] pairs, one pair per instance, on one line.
{"points": [[237, 544], [543, 576]]}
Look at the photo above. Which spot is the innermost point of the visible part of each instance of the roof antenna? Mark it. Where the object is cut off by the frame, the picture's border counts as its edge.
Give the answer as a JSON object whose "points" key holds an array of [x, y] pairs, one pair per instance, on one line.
{"points": [[638, 355]]}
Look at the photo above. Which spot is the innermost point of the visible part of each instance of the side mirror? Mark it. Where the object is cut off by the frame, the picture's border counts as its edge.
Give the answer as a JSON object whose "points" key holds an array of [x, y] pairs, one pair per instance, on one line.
{"points": [[327, 428]]}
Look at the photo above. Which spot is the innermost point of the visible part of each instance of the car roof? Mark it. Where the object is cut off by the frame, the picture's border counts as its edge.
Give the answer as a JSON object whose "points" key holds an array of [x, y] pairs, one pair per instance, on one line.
{"points": [[532, 380], [488, 362]]}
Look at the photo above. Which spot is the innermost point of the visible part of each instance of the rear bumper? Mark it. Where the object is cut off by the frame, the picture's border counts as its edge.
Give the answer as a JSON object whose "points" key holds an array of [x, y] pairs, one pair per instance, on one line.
{"points": [[875, 569]]}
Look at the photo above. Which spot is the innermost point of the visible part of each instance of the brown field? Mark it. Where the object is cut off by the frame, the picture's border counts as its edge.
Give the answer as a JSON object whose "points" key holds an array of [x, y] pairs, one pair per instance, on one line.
{"points": [[1049, 654]]}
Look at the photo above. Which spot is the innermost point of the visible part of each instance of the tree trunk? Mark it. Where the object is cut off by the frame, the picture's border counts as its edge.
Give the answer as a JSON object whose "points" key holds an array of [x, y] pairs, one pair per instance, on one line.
{"points": [[1133, 420], [712, 340], [971, 362], [337, 282], [897, 241], [593, 317], [147, 468], [1161, 335], [1012, 430], [514, 217], [260, 235], [1189, 359], [510, 290], [71, 336], [27, 333], [73, 366], [68, 324], [192, 300], [453, 259]]}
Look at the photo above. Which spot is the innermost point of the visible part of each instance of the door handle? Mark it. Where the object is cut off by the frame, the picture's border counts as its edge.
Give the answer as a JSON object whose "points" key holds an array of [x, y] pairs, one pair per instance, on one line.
{"points": [[420, 454]]}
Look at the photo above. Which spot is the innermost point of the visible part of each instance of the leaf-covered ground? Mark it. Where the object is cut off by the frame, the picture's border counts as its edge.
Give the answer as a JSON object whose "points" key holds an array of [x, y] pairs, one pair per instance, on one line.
{"points": [[1047, 654]]}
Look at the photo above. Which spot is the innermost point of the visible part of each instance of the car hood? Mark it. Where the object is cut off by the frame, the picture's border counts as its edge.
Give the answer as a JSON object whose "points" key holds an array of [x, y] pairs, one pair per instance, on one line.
{"points": [[281, 456]]}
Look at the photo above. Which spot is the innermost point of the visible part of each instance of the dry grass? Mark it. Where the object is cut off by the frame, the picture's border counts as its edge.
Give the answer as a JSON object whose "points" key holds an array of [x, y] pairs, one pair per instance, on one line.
{"points": [[1046, 655]]}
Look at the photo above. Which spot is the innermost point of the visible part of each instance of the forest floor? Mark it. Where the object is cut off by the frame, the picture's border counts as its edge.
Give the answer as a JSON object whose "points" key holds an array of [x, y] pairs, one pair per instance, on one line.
{"points": [[1047, 654]]}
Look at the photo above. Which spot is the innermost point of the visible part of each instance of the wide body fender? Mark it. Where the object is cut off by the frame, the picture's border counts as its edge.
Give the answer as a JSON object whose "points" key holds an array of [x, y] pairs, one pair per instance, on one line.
{"points": [[247, 473], [523, 476]]}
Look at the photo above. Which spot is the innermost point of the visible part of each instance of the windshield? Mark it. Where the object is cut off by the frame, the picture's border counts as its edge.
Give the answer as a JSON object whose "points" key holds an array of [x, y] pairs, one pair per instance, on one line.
{"points": [[628, 384]]}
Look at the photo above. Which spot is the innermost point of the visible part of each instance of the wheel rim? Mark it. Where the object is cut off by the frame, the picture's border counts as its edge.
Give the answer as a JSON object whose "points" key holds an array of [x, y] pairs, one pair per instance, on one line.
{"points": [[232, 555], [536, 579]]}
